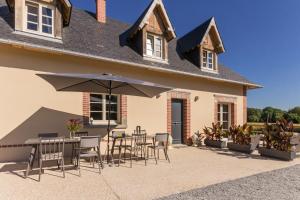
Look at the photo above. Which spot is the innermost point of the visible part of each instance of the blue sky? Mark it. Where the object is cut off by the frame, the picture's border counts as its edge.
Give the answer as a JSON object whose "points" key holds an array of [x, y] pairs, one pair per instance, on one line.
{"points": [[261, 37]]}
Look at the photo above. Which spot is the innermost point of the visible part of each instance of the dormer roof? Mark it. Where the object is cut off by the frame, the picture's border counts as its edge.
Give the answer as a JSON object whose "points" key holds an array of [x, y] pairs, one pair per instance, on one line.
{"points": [[197, 36], [66, 9], [143, 20]]}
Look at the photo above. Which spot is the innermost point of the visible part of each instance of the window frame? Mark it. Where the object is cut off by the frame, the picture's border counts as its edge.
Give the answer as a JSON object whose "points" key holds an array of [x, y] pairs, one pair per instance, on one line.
{"points": [[40, 15], [220, 114], [104, 111], [206, 60], [154, 46]]}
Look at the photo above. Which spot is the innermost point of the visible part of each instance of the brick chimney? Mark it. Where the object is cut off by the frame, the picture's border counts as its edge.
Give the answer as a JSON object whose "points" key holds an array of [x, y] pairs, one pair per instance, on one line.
{"points": [[101, 11]]}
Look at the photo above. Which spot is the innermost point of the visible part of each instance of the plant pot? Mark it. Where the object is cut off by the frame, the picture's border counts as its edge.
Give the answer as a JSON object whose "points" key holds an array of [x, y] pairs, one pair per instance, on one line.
{"points": [[215, 143], [273, 153], [241, 147]]}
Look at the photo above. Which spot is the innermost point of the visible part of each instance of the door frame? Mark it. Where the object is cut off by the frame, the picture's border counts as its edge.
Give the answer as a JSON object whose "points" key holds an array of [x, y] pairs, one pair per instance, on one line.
{"points": [[182, 116], [185, 97]]}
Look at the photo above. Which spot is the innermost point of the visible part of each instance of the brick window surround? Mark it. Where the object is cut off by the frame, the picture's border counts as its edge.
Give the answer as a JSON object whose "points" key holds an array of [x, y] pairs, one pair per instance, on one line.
{"points": [[227, 100], [123, 110], [185, 96]]}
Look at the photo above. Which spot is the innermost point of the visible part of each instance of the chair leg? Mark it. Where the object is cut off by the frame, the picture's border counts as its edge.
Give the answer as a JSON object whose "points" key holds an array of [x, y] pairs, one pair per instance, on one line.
{"points": [[100, 159], [120, 152], [166, 155], [40, 171], [158, 153], [78, 165], [130, 157], [63, 167], [144, 149], [154, 150]]}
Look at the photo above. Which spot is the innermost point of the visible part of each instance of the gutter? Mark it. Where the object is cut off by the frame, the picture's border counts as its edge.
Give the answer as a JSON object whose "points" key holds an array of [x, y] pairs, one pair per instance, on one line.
{"points": [[83, 55]]}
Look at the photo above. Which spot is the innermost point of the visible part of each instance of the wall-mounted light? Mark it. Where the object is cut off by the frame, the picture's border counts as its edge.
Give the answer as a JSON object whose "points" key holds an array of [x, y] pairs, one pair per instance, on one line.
{"points": [[196, 98]]}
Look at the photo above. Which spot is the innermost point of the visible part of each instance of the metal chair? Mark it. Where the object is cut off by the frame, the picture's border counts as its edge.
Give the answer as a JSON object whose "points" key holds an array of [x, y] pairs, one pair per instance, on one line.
{"points": [[90, 142], [52, 149], [161, 141], [140, 144], [117, 136], [75, 146]]}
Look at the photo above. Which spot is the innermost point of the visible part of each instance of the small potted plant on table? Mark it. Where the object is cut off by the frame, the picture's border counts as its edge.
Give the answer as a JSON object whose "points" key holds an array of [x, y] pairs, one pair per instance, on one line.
{"points": [[73, 126], [243, 139], [214, 136], [278, 141]]}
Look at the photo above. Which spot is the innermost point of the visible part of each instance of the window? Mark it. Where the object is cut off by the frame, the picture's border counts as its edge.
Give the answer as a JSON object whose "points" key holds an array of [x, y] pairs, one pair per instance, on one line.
{"points": [[39, 19], [99, 106], [154, 46], [208, 60], [224, 115], [47, 20]]}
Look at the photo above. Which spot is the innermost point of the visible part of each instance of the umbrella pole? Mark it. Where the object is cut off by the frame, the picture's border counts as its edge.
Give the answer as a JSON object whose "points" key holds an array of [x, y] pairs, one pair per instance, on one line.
{"points": [[108, 125]]}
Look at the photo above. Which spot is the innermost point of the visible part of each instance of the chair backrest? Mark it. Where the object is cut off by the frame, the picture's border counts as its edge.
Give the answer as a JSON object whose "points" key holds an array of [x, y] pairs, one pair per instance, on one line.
{"points": [[80, 134], [52, 148], [118, 134], [162, 139], [139, 137], [47, 135], [90, 141], [137, 130]]}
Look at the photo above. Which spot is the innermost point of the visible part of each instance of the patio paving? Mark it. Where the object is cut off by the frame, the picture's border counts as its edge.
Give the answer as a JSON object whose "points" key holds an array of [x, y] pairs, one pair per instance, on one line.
{"points": [[283, 184], [190, 168]]}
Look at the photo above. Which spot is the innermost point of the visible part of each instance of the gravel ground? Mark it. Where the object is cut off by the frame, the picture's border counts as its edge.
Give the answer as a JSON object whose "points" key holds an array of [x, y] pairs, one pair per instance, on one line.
{"points": [[283, 184]]}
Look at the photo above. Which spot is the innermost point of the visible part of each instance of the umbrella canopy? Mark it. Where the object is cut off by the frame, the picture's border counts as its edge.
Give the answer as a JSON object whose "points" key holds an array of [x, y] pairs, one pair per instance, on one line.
{"points": [[103, 83]]}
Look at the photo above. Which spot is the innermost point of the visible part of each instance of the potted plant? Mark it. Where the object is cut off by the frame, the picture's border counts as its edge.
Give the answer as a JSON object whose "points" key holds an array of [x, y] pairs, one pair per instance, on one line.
{"points": [[73, 126], [243, 139], [197, 138], [214, 136], [278, 141]]}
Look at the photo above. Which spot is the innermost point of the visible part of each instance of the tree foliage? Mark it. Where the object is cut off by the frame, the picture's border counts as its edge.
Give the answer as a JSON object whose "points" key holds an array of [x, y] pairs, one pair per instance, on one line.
{"points": [[272, 115]]}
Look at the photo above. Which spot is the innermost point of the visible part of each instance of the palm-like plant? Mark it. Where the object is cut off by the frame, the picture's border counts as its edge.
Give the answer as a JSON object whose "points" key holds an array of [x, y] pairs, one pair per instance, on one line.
{"points": [[215, 132], [241, 134], [279, 135]]}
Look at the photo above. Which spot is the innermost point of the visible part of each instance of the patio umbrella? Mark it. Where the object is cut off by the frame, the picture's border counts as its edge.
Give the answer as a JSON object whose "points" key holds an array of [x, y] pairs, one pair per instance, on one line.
{"points": [[104, 83]]}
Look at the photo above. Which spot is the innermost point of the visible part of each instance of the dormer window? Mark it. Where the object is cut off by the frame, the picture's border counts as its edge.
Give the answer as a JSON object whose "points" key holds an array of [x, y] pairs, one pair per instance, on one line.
{"points": [[208, 60], [154, 46], [39, 19]]}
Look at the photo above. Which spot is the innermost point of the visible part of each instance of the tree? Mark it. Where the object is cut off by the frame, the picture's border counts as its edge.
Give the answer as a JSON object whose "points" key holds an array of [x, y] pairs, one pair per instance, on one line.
{"points": [[295, 110], [272, 115], [295, 118], [254, 114]]}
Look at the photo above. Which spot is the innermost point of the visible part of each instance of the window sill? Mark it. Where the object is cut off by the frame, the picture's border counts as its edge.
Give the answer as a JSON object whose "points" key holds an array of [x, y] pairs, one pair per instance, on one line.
{"points": [[209, 70], [36, 35], [155, 59], [104, 125]]}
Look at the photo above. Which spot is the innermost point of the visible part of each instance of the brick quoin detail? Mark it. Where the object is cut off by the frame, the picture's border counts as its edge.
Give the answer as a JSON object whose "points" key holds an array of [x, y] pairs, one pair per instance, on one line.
{"points": [[86, 109], [245, 102], [186, 113]]}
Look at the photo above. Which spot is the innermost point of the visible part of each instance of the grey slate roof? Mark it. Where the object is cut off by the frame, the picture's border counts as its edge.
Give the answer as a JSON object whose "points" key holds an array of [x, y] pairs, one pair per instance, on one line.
{"points": [[85, 35], [194, 37]]}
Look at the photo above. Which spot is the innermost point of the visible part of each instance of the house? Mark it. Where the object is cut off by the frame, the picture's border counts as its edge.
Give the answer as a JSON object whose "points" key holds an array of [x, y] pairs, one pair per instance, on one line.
{"points": [[49, 36]]}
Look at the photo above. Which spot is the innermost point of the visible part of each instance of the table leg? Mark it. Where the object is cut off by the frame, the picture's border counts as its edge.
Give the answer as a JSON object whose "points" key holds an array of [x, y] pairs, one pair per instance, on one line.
{"points": [[31, 159]]}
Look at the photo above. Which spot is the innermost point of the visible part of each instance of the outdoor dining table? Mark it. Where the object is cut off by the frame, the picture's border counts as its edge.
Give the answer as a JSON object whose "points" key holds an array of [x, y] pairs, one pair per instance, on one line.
{"points": [[34, 143]]}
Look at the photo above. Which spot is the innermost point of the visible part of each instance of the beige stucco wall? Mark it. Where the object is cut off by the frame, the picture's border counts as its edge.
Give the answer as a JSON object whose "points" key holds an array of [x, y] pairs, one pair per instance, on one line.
{"points": [[29, 105]]}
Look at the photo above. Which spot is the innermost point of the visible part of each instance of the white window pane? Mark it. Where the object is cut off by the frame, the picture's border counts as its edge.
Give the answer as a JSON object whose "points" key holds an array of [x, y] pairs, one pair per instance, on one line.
{"points": [[97, 115], [150, 46], [47, 11], [32, 9], [225, 108], [47, 20], [31, 26], [47, 29], [32, 18]]}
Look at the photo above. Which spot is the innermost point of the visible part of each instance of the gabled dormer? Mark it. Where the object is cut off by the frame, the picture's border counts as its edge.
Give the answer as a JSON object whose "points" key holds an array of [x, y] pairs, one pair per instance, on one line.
{"points": [[40, 18], [203, 45], [152, 32]]}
